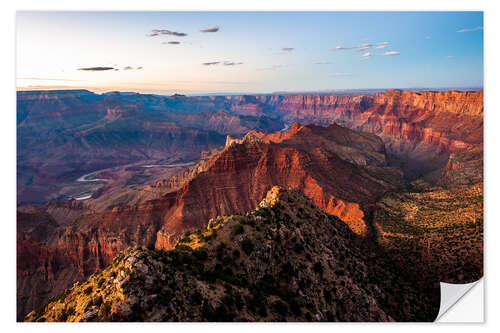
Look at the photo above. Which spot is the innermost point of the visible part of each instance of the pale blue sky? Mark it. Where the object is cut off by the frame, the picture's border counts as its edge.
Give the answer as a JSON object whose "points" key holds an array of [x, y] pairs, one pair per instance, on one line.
{"points": [[377, 50]]}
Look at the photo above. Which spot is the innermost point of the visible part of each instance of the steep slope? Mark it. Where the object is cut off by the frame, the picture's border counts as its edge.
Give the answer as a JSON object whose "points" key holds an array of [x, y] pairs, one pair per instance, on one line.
{"points": [[441, 227], [341, 170], [63, 135], [285, 261], [420, 129]]}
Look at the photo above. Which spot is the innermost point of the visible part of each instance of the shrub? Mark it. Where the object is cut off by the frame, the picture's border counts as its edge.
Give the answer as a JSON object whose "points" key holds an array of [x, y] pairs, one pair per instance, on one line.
{"points": [[318, 268], [298, 248], [219, 250], [106, 308], [280, 308], [201, 255], [100, 282], [88, 306], [236, 254], [238, 229], [182, 247], [295, 308], [88, 290], [328, 296], [196, 298], [62, 316], [247, 246], [150, 246], [71, 311]]}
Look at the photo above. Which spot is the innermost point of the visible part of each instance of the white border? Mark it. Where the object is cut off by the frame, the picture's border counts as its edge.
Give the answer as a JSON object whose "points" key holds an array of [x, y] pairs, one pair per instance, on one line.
{"points": [[8, 140]]}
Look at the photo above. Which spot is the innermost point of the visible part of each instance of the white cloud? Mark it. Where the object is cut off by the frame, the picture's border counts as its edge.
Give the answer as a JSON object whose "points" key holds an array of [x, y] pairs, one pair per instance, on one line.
{"points": [[449, 57], [382, 46], [362, 48], [470, 29], [321, 63], [339, 48], [367, 55], [391, 53], [427, 37]]}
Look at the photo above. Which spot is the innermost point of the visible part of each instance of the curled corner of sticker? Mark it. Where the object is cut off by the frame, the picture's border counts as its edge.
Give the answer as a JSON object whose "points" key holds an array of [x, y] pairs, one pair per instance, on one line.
{"points": [[451, 294]]}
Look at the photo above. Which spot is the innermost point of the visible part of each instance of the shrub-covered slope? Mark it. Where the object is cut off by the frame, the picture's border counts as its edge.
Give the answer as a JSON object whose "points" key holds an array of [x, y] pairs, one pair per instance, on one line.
{"points": [[285, 261]]}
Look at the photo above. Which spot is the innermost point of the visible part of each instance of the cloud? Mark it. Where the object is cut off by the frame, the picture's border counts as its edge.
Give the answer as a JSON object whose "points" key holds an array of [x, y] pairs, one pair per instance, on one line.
{"points": [[140, 67], [287, 49], [213, 29], [367, 55], [127, 68], [470, 29], [449, 57], [427, 37], [225, 63], [362, 48], [340, 48], [96, 69], [391, 53], [172, 43], [158, 32], [321, 63], [381, 46], [231, 63], [340, 74]]}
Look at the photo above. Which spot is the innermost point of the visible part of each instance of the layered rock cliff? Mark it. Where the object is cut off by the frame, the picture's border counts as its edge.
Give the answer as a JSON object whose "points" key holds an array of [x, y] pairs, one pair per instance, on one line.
{"points": [[285, 261], [341, 170], [420, 129]]}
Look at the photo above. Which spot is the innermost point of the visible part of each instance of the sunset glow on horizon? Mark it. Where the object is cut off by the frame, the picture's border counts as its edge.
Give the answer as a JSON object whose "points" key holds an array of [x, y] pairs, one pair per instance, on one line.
{"points": [[247, 52]]}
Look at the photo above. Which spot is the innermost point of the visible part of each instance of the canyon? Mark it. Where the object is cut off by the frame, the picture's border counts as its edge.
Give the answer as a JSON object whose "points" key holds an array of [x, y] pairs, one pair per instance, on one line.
{"points": [[350, 155]]}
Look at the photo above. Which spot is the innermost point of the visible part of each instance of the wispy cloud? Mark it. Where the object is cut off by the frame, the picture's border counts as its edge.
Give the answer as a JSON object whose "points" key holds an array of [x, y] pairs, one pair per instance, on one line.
{"points": [[427, 37], [171, 43], [391, 53], [340, 48], [224, 63], [340, 74], [382, 45], [213, 29], [158, 32], [127, 68], [449, 57], [367, 55], [363, 48], [287, 49], [470, 29], [96, 69], [321, 63], [232, 63]]}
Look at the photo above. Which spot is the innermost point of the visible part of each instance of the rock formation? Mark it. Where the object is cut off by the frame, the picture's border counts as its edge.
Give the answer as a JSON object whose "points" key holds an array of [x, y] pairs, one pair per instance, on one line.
{"points": [[285, 261]]}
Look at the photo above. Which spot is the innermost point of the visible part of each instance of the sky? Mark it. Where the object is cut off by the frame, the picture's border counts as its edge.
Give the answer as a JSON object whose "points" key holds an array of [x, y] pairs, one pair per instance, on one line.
{"points": [[247, 52]]}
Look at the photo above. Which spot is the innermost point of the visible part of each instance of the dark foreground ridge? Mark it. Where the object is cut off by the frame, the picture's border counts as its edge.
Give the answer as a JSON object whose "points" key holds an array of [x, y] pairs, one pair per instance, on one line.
{"points": [[284, 261]]}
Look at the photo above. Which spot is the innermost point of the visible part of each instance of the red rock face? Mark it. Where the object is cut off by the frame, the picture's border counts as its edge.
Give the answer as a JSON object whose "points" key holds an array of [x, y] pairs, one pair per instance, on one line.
{"points": [[336, 167], [341, 170], [420, 129]]}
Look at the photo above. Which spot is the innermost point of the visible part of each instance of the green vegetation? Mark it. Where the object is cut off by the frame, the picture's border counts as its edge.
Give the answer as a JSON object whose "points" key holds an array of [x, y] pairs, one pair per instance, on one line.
{"points": [[238, 229], [247, 246], [106, 308]]}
